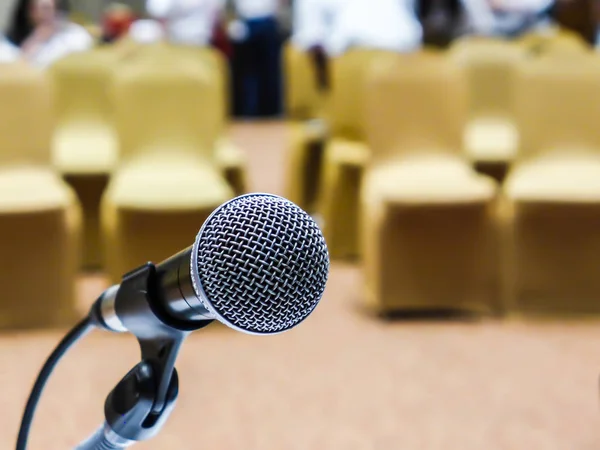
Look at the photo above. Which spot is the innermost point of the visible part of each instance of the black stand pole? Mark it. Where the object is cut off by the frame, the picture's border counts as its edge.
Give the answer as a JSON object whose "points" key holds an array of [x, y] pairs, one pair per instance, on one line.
{"points": [[138, 407]]}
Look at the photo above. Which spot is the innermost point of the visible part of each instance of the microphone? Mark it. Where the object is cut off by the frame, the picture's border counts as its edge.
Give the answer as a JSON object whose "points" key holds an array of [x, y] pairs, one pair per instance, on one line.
{"points": [[258, 265]]}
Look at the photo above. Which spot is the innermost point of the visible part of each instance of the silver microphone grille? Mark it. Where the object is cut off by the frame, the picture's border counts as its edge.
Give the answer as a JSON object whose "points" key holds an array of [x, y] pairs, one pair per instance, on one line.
{"points": [[262, 263]]}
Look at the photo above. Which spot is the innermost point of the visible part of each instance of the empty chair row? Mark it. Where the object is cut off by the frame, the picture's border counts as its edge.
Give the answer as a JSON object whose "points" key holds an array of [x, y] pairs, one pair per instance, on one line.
{"points": [[171, 172], [95, 130], [489, 135], [434, 233]]}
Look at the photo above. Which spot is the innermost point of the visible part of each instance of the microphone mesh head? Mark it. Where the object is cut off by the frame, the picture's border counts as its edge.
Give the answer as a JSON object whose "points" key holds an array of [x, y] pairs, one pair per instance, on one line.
{"points": [[262, 263]]}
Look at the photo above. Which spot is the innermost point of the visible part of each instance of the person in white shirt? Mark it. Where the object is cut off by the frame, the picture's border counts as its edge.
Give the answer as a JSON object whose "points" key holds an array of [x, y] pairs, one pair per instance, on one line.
{"points": [[378, 24], [256, 58], [509, 18], [44, 34], [327, 28], [146, 31], [8, 51], [187, 22], [312, 22]]}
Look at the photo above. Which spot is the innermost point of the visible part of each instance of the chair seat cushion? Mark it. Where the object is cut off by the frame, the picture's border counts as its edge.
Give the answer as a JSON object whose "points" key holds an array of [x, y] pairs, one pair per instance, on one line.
{"points": [[556, 179], [491, 140], [32, 189], [317, 129], [229, 155], [168, 183], [84, 150], [314, 130], [428, 180], [346, 152]]}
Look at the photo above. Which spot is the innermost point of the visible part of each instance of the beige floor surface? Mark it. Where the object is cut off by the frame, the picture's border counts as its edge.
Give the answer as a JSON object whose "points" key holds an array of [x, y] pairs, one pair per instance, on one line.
{"points": [[341, 381]]}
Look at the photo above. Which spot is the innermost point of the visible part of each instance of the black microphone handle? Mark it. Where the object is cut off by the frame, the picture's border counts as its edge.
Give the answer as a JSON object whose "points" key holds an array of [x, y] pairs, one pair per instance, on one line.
{"points": [[176, 288], [169, 288]]}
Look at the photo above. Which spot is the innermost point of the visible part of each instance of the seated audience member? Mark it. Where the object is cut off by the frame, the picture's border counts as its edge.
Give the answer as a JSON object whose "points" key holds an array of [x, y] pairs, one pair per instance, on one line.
{"points": [[146, 31], [8, 51], [579, 16], [378, 24], [508, 18], [187, 22], [596, 19], [45, 34], [220, 38], [442, 20], [116, 22]]}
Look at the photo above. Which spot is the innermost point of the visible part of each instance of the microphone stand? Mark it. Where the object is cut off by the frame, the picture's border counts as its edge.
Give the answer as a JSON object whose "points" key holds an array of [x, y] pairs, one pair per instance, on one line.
{"points": [[128, 411], [140, 404]]}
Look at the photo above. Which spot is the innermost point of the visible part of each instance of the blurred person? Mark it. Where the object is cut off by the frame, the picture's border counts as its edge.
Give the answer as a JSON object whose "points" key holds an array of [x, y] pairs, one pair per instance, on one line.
{"points": [[442, 21], [187, 22], [256, 58], [220, 38], [508, 18], [596, 19], [580, 16], [116, 21], [146, 31], [312, 22], [8, 51], [43, 32], [376, 24], [327, 28]]}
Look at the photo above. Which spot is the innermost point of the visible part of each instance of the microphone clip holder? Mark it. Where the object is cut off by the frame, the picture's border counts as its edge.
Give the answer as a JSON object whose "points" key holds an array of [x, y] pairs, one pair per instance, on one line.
{"points": [[128, 407], [138, 407]]}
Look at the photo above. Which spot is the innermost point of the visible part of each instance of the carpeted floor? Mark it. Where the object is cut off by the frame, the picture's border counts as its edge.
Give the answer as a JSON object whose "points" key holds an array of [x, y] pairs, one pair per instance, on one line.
{"points": [[341, 381]]}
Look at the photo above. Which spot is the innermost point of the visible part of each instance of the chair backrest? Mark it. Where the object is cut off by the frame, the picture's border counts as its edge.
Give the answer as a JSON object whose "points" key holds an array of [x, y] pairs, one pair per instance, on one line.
{"points": [[163, 105], [25, 115], [216, 63], [81, 85], [489, 66], [416, 105], [208, 60], [558, 105], [567, 43], [346, 102], [302, 97], [559, 41]]}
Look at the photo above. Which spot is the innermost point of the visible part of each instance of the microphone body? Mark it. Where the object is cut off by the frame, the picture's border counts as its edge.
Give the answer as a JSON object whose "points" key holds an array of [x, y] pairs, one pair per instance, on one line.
{"points": [[259, 265], [173, 300]]}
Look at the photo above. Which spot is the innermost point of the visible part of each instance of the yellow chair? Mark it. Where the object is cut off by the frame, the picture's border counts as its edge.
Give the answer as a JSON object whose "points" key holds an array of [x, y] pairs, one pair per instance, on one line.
{"points": [[346, 153], [84, 146], [306, 134], [428, 234], [230, 158], [168, 181], [40, 218], [303, 101], [125, 46], [558, 41], [552, 195], [491, 137]]}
